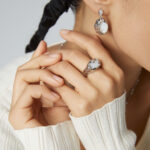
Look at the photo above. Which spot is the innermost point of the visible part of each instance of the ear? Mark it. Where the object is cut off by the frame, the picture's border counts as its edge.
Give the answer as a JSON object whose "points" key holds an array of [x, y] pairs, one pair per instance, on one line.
{"points": [[95, 5]]}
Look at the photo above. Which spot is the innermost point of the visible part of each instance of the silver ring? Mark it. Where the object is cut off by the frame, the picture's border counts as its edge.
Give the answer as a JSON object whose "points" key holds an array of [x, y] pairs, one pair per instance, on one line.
{"points": [[92, 65]]}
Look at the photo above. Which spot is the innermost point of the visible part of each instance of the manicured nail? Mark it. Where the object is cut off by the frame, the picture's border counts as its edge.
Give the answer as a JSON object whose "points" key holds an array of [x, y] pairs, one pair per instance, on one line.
{"points": [[52, 55], [58, 79], [64, 31]]}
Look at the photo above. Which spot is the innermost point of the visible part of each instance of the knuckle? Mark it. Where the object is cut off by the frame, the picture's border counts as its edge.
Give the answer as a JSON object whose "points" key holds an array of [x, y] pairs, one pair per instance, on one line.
{"points": [[109, 84], [94, 93], [84, 105], [120, 75], [45, 73]]}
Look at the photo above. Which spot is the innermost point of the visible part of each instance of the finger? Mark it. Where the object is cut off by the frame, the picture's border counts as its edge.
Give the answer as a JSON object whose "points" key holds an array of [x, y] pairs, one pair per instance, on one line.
{"points": [[46, 102], [42, 48], [75, 57], [74, 101], [73, 76], [71, 98], [93, 47], [80, 61], [37, 75], [60, 103], [86, 42], [35, 92], [41, 61], [103, 81]]}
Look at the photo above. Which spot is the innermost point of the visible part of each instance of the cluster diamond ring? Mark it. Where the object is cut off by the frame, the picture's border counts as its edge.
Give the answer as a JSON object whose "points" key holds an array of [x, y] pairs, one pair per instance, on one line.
{"points": [[92, 65]]}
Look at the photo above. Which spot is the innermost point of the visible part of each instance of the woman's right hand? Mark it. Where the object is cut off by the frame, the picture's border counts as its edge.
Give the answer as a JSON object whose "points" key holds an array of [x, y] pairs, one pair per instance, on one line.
{"points": [[29, 96]]}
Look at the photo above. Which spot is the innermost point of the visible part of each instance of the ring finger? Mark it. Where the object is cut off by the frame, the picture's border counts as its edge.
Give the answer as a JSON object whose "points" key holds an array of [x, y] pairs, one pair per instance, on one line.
{"points": [[73, 76], [80, 61]]}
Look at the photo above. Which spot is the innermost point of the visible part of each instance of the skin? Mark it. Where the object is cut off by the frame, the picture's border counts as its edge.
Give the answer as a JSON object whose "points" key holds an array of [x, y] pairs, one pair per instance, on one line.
{"points": [[29, 98], [122, 58]]}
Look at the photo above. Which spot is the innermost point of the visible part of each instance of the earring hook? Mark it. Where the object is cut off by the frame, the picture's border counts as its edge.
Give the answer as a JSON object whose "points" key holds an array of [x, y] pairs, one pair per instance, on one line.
{"points": [[101, 12]]}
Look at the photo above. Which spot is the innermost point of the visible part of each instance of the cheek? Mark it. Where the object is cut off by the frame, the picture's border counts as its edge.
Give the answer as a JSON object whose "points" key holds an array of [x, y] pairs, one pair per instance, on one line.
{"points": [[132, 35]]}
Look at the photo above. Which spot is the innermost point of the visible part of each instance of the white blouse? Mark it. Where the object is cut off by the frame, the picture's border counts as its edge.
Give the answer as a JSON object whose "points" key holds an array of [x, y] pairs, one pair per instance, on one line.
{"points": [[104, 128]]}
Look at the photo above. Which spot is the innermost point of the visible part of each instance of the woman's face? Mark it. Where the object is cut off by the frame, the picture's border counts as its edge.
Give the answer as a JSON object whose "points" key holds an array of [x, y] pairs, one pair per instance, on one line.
{"points": [[130, 27]]}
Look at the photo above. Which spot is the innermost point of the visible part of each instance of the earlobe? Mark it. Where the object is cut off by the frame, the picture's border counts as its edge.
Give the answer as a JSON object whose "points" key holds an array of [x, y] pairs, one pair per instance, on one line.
{"points": [[96, 5], [103, 2]]}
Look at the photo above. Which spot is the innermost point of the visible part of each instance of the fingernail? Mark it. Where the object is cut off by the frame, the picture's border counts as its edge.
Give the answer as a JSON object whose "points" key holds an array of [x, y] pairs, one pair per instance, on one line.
{"points": [[58, 79], [64, 31], [52, 55]]}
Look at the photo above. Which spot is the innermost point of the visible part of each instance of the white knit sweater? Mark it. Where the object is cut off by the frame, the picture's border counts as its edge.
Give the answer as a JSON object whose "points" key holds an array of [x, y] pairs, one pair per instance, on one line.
{"points": [[103, 129]]}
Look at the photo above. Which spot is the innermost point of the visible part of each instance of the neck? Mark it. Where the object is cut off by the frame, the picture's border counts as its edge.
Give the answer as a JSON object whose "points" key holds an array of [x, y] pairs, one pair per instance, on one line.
{"points": [[84, 23]]}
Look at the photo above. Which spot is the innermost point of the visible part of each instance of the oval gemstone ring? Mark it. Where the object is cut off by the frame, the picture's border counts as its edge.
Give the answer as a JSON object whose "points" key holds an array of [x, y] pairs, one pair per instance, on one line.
{"points": [[92, 65]]}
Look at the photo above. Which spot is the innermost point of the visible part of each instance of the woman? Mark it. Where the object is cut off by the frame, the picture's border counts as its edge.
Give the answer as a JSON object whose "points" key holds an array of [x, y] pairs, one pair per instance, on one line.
{"points": [[91, 92]]}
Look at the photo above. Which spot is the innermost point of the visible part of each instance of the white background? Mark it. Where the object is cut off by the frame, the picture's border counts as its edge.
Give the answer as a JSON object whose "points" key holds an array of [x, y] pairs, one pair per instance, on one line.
{"points": [[19, 19]]}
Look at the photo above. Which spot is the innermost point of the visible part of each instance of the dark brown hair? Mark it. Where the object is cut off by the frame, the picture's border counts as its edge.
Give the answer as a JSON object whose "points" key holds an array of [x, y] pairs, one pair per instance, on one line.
{"points": [[52, 11]]}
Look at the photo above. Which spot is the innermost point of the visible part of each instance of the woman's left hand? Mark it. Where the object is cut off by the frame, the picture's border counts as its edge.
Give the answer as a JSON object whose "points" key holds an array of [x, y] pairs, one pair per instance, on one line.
{"points": [[99, 87]]}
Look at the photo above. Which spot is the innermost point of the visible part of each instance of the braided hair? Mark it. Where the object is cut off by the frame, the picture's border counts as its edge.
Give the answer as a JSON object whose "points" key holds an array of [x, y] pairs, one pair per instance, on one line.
{"points": [[52, 11]]}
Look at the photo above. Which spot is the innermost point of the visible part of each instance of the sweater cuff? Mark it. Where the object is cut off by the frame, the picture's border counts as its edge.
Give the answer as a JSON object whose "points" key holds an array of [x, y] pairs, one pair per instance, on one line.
{"points": [[53, 137], [105, 128]]}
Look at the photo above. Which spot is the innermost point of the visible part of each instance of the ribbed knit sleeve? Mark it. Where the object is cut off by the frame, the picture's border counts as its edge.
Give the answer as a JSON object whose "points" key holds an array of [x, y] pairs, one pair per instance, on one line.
{"points": [[8, 139], [56, 137], [61, 136], [105, 128]]}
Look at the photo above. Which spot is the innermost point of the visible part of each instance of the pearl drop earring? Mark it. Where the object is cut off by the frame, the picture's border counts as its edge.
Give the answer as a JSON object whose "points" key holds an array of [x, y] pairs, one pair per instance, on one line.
{"points": [[100, 25]]}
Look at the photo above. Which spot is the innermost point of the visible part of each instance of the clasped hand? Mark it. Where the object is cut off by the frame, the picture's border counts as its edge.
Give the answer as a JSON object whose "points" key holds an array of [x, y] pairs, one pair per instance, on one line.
{"points": [[35, 105], [99, 87]]}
